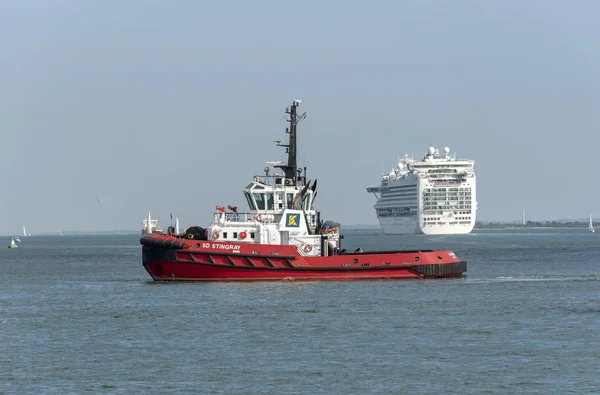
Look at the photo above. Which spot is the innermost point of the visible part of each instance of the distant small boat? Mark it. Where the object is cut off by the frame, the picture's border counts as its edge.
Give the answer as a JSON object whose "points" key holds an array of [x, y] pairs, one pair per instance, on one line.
{"points": [[154, 227], [12, 244], [591, 225], [17, 239]]}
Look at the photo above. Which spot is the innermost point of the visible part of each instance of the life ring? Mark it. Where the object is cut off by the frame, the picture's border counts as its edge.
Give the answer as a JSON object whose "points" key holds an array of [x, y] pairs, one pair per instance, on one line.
{"points": [[308, 248], [243, 235], [216, 235], [257, 218]]}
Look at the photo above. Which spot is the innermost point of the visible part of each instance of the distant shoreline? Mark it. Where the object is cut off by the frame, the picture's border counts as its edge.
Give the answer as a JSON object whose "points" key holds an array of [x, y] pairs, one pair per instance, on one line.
{"points": [[533, 225], [527, 227]]}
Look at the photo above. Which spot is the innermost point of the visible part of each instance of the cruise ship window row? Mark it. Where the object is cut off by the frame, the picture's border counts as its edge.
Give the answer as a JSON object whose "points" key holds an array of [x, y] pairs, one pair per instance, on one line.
{"points": [[435, 218], [445, 198], [446, 201], [399, 187], [441, 212], [399, 200], [447, 193], [413, 197], [446, 182], [451, 189], [439, 222], [409, 194], [462, 195], [442, 197], [447, 176], [446, 207], [402, 186], [412, 191], [440, 166], [399, 197]]}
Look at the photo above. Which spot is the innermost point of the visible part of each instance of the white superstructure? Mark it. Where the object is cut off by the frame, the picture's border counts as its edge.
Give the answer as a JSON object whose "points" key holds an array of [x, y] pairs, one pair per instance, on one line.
{"points": [[434, 196], [154, 226], [281, 209]]}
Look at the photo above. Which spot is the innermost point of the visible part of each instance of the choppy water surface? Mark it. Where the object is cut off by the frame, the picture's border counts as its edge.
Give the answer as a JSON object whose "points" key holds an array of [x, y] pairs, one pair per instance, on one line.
{"points": [[80, 314]]}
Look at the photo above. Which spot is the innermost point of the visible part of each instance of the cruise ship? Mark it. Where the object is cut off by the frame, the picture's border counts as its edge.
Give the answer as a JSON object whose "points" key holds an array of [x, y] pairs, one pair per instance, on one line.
{"points": [[434, 196]]}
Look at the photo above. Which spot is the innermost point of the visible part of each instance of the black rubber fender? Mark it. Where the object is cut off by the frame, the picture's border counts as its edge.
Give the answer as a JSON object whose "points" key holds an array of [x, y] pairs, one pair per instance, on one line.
{"points": [[162, 243]]}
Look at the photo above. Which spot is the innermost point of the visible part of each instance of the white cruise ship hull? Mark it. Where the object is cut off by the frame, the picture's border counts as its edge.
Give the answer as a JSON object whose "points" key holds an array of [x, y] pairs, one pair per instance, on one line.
{"points": [[447, 229], [399, 226], [402, 226]]}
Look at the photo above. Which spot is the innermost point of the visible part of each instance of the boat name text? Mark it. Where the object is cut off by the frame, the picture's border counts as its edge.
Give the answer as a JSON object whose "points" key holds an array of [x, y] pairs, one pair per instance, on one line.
{"points": [[217, 246]]}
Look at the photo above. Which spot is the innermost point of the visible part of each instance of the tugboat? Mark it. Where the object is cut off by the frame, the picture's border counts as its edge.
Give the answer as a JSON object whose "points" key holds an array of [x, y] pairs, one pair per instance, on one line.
{"points": [[282, 237]]}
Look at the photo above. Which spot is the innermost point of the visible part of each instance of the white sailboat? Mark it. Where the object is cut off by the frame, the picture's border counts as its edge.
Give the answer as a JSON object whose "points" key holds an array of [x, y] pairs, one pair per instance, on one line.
{"points": [[24, 231], [591, 225]]}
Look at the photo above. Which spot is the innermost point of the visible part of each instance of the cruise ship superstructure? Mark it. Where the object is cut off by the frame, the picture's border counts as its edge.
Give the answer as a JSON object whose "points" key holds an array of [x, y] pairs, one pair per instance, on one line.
{"points": [[434, 196]]}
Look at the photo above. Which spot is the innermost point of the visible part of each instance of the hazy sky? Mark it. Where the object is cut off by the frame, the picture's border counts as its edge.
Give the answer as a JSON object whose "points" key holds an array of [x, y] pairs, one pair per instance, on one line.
{"points": [[173, 106]]}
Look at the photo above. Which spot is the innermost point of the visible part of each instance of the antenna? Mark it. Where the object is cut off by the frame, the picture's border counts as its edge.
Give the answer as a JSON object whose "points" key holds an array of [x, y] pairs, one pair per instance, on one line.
{"points": [[291, 148]]}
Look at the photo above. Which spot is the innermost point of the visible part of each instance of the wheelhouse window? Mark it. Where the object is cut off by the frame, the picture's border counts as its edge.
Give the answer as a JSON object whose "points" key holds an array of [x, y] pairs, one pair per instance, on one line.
{"points": [[307, 202], [289, 200], [259, 198], [270, 202], [249, 200]]}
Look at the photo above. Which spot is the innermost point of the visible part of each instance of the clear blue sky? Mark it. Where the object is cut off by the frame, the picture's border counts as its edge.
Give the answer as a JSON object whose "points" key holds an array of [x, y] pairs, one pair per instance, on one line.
{"points": [[173, 105]]}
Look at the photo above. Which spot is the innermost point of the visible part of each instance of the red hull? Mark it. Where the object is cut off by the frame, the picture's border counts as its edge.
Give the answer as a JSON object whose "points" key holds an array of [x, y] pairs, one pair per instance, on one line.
{"points": [[167, 258]]}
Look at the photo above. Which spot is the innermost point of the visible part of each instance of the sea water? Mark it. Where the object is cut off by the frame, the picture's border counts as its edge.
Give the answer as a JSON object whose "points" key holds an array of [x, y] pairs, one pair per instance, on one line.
{"points": [[80, 315]]}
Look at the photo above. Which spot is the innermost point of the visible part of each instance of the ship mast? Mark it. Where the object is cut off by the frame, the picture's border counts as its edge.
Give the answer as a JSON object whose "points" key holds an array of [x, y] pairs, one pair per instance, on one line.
{"points": [[290, 170]]}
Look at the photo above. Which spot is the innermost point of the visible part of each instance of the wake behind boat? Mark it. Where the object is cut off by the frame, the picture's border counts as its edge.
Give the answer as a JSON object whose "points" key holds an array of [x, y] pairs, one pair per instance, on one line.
{"points": [[281, 237]]}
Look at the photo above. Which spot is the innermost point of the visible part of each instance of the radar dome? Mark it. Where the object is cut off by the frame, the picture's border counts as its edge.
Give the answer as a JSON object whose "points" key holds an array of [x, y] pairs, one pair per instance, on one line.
{"points": [[431, 150], [446, 149]]}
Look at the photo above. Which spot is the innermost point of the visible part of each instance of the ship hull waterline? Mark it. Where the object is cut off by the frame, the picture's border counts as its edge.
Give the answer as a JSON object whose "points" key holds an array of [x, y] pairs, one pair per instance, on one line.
{"points": [[170, 259]]}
